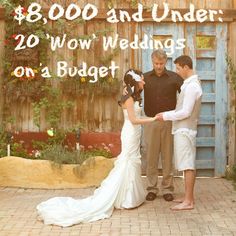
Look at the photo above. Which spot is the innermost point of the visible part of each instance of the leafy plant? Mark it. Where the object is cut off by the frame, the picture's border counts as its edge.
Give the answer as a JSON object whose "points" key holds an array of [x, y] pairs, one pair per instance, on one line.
{"points": [[232, 72], [55, 150], [95, 152], [39, 54], [59, 155], [231, 175], [3, 143], [16, 149], [53, 105], [232, 80]]}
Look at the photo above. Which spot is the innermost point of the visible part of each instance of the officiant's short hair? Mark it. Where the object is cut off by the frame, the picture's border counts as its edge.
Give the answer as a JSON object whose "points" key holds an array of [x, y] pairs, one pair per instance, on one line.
{"points": [[160, 54]]}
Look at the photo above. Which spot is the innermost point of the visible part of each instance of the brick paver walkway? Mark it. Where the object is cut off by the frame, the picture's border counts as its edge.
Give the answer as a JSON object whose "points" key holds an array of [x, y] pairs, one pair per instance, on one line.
{"points": [[214, 213]]}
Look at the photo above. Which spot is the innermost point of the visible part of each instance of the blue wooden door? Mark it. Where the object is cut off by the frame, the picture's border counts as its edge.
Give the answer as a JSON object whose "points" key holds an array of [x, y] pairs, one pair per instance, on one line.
{"points": [[207, 45]]}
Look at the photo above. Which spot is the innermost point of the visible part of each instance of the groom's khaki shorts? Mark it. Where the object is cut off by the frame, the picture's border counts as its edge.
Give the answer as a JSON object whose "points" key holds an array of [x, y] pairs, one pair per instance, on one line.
{"points": [[184, 151]]}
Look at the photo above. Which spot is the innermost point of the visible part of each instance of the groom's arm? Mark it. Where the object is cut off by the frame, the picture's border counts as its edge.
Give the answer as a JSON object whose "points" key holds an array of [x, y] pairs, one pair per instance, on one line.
{"points": [[192, 93]]}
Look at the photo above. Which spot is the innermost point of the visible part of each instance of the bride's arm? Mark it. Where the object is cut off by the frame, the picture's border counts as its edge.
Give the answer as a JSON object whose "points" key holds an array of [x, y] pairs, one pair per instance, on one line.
{"points": [[129, 105]]}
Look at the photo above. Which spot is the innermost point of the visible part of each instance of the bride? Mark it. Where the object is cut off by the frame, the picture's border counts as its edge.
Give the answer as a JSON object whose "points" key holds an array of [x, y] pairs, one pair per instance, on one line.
{"points": [[123, 187]]}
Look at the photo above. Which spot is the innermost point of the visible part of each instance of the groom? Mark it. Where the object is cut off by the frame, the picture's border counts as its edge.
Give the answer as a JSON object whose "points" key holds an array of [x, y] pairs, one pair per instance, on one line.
{"points": [[185, 118]]}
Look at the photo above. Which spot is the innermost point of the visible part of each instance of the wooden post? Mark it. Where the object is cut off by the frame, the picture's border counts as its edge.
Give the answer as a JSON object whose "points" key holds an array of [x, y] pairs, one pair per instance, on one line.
{"points": [[221, 102], [2, 38], [232, 125]]}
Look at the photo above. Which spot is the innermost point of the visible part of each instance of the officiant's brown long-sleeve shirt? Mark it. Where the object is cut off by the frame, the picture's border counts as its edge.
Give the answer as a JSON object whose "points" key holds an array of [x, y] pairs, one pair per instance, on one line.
{"points": [[160, 92]]}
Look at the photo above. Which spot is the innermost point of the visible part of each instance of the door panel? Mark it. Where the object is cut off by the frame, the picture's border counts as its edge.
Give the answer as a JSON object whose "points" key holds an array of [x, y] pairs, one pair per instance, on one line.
{"points": [[207, 45]]}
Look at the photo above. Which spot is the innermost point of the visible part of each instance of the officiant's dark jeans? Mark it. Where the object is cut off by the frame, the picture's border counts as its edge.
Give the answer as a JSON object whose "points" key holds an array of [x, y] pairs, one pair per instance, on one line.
{"points": [[159, 143]]}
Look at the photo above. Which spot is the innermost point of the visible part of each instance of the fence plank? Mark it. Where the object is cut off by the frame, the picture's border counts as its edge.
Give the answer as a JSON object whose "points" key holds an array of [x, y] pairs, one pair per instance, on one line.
{"points": [[2, 38]]}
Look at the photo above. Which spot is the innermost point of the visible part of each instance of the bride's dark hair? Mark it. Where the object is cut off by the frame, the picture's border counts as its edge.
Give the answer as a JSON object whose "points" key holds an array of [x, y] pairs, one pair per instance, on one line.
{"points": [[132, 83]]}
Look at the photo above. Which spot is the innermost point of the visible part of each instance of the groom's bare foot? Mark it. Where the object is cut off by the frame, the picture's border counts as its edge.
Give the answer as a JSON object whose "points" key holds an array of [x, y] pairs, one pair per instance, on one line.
{"points": [[182, 206], [178, 200]]}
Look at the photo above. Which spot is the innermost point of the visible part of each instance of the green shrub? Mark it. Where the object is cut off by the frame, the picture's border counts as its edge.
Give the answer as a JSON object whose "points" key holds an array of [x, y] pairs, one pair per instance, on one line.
{"points": [[17, 149], [3, 144], [53, 149], [231, 175], [95, 152], [59, 155]]}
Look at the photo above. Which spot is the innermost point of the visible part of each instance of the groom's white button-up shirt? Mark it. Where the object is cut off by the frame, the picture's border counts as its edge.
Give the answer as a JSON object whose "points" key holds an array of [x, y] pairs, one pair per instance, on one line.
{"points": [[192, 91]]}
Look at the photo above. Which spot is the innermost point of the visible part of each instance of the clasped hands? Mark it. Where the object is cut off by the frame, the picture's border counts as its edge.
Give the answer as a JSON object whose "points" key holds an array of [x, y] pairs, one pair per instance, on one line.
{"points": [[159, 116]]}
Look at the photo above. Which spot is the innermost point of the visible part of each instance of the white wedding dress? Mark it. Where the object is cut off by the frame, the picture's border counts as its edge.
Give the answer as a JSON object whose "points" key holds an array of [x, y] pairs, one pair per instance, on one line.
{"points": [[122, 188]]}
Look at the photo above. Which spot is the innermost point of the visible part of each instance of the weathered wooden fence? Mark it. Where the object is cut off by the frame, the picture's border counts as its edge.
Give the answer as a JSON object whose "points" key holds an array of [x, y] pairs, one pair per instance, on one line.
{"points": [[100, 112]]}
